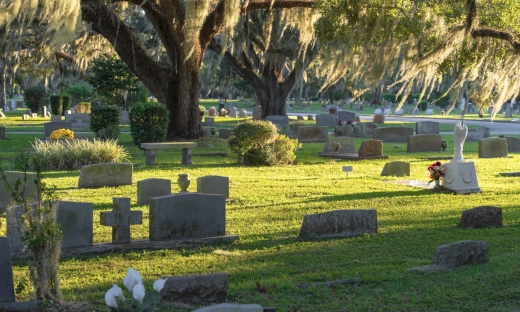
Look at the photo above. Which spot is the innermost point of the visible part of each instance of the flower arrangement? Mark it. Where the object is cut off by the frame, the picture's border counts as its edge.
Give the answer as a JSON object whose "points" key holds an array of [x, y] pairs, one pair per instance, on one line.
{"points": [[223, 112], [202, 110], [436, 171], [351, 122], [342, 122], [62, 133]]}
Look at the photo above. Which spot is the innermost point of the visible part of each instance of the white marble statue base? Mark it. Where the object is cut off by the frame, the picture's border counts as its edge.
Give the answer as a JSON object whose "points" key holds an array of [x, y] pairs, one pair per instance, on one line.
{"points": [[461, 177]]}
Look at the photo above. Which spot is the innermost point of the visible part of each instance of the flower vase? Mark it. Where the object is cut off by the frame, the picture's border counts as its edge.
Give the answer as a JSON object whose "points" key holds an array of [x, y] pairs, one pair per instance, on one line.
{"points": [[184, 182], [437, 183]]}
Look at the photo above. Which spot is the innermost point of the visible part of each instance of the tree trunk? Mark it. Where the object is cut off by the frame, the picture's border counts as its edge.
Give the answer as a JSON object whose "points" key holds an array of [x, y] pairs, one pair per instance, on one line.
{"points": [[273, 95], [377, 95], [3, 73]]}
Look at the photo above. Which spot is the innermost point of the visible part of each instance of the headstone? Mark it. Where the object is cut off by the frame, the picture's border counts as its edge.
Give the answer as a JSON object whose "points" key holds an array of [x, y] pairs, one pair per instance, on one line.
{"points": [[343, 131], [233, 112], [378, 111], [152, 187], [492, 147], [368, 129], [299, 117], [6, 271], [481, 217], [25, 117], [230, 105], [213, 184], [396, 168], [78, 120], [44, 111], [426, 127], [34, 115], [30, 193], [347, 169], [379, 119], [55, 118], [332, 110], [233, 307], [212, 112], [224, 133], [2, 133], [371, 148], [105, 174], [423, 143], [242, 113], [415, 111], [196, 289], [279, 121], [392, 134], [49, 127], [308, 134], [339, 223], [346, 145], [387, 111], [461, 253], [399, 112], [187, 215], [257, 112], [429, 111], [310, 117], [474, 135], [326, 120], [120, 219], [2, 115], [124, 118], [346, 116], [513, 144], [206, 133], [77, 224]]}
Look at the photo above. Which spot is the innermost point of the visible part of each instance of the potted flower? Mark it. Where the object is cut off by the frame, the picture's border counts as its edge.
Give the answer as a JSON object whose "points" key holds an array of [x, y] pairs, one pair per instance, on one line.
{"points": [[223, 112], [342, 123], [202, 110], [436, 171]]}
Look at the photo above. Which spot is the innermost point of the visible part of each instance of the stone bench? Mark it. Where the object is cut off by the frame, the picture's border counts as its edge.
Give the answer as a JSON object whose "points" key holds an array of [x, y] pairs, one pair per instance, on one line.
{"points": [[151, 147]]}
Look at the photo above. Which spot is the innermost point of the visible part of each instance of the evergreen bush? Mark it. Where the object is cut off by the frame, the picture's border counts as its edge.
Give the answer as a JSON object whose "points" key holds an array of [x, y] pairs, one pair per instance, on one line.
{"points": [[423, 105], [105, 119], [35, 97], [148, 122], [56, 104], [65, 98], [82, 107]]}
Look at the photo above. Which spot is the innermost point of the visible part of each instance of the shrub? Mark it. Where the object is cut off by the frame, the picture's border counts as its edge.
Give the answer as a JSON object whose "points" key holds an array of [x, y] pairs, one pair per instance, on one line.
{"points": [[105, 118], [257, 143], [82, 107], [72, 154], [56, 104], [35, 98], [65, 98], [423, 105], [149, 122]]}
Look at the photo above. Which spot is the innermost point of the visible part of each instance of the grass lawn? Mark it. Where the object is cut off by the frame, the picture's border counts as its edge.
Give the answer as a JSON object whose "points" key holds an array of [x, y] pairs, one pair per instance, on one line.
{"points": [[270, 261]]}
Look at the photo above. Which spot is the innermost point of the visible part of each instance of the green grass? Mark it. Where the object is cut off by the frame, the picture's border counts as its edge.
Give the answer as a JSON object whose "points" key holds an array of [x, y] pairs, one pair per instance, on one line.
{"points": [[267, 208]]}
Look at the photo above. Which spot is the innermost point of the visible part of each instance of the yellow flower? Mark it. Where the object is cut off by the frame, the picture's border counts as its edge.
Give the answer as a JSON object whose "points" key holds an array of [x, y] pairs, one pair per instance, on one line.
{"points": [[62, 133]]}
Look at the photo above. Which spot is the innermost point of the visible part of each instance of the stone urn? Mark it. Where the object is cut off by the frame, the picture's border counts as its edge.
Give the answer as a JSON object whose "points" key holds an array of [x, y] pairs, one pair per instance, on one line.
{"points": [[184, 182]]}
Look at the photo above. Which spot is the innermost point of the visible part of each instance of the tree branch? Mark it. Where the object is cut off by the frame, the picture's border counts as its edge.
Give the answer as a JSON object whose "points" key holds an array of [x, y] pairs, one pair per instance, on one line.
{"points": [[497, 34], [280, 4]]}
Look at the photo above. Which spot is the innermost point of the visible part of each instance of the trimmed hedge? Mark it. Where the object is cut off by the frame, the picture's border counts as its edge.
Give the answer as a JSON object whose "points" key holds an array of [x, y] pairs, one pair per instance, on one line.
{"points": [[65, 98], [82, 107], [56, 104], [35, 97], [149, 122], [104, 121]]}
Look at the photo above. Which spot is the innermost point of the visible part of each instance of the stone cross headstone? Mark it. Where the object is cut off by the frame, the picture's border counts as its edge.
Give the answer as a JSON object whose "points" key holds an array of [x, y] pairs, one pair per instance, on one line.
{"points": [[6, 273], [120, 220], [213, 184], [152, 188]]}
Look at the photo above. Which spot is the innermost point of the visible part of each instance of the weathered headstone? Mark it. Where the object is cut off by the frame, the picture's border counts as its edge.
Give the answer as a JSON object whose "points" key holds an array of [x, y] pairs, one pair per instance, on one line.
{"points": [[105, 174], [120, 220], [378, 111], [346, 115], [209, 121], [187, 215], [25, 117], [233, 307], [387, 111], [152, 187], [30, 193], [124, 118], [49, 127], [429, 111], [206, 133], [2, 133], [233, 112], [343, 131], [213, 184], [76, 221], [257, 112], [6, 273], [225, 134], [513, 144], [392, 134], [399, 112], [299, 117], [379, 119], [310, 117], [346, 145], [474, 135], [492, 147], [279, 121], [371, 148], [196, 289], [212, 112], [481, 217], [426, 127], [423, 143], [2, 115], [242, 113], [326, 120], [55, 118], [396, 168], [339, 223], [312, 134], [78, 120], [461, 253]]}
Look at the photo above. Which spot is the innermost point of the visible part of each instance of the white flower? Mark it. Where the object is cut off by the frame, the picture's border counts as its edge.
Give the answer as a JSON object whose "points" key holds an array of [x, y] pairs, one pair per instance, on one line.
{"points": [[132, 278], [112, 293], [158, 285], [138, 292]]}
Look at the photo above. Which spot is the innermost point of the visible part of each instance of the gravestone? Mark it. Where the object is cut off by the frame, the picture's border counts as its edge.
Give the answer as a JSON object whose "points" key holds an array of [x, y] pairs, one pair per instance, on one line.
{"points": [[55, 118], [308, 134], [152, 187], [124, 118], [230, 105], [513, 144], [105, 174], [378, 111], [234, 307], [347, 169], [326, 120], [371, 148], [346, 145], [120, 220], [399, 112], [34, 115], [49, 127], [76, 221], [387, 111], [474, 135], [213, 184], [30, 193], [212, 112], [44, 111], [429, 111], [481, 217], [423, 143], [379, 119], [209, 121], [2, 115], [368, 129], [392, 134], [346, 116], [279, 121], [257, 112], [187, 215], [196, 289], [225, 134], [2, 133], [339, 223], [206, 133], [343, 131], [6, 273], [300, 117], [242, 113], [492, 147], [78, 120], [461, 253], [233, 112], [426, 127], [310, 117], [25, 117], [396, 168]]}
